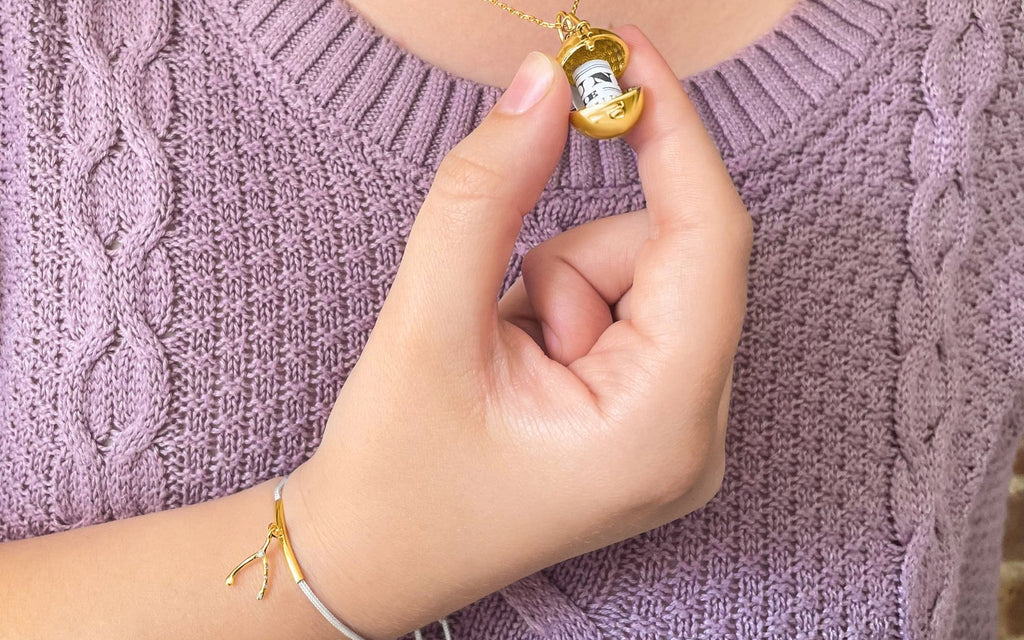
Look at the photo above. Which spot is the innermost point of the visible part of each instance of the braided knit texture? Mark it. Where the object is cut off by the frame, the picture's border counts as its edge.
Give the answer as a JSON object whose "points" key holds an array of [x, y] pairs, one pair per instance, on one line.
{"points": [[203, 204], [937, 475]]}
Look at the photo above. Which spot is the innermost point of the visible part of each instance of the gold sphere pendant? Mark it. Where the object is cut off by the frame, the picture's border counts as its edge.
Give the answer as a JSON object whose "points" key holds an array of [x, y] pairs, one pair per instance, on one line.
{"points": [[593, 60]]}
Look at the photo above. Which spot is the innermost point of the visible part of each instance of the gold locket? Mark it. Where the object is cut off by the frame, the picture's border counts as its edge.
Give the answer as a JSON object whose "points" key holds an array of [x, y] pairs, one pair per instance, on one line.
{"points": [[593, 60]]}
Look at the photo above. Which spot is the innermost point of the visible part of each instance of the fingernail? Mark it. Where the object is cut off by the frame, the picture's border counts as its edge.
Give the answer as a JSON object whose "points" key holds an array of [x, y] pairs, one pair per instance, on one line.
{"points": [[529, 85]]}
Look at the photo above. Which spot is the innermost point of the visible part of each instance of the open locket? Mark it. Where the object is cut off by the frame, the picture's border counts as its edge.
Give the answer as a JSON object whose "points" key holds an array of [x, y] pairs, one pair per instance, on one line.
{"points": [[593, 60]]}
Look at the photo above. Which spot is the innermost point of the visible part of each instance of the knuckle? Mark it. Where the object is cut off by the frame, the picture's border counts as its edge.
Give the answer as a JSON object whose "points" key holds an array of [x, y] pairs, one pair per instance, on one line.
{"points": [[692, 467], [711, 480], [534, 261], [744, 231], [740, 227], [461, 176]]}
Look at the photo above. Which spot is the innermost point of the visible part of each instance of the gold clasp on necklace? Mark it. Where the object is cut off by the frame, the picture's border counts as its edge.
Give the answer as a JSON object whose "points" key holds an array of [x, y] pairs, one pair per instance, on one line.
{"points": [[568, 25]]}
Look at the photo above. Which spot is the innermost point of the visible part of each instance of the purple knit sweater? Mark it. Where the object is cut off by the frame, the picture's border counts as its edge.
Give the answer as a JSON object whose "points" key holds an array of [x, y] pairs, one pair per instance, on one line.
{"points": [[203, 204]]}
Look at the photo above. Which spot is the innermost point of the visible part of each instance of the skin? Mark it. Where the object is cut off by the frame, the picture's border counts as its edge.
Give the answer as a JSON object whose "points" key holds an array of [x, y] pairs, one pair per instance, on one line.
{"points": [[480, 41], [465, 450]]}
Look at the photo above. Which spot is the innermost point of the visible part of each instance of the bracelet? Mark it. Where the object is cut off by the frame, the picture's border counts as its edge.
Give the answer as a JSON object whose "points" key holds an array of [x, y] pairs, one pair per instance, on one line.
{"points": [[278, 530]]}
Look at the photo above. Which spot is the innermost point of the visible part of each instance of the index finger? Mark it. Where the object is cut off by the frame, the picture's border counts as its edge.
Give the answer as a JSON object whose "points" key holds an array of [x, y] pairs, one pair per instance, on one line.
{"points": [[685, 181]]}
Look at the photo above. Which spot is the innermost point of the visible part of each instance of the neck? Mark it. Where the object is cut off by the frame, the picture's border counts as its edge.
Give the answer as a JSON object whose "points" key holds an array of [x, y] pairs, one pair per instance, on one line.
{"points": [[480, 41]]}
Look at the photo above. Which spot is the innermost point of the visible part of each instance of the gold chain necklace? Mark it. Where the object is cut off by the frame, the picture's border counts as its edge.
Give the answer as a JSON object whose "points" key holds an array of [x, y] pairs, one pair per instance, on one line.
{"points": [[593, 59], [533, 19]]}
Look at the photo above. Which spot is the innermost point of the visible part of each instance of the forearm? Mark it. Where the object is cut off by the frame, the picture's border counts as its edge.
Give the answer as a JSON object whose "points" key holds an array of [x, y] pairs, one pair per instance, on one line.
{"points": [[161, 575]]}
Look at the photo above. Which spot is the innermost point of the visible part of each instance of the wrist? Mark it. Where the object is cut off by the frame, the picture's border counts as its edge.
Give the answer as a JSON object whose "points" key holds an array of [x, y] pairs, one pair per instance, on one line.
{"points": [[382, 553], [317, 548], [347, 561]]}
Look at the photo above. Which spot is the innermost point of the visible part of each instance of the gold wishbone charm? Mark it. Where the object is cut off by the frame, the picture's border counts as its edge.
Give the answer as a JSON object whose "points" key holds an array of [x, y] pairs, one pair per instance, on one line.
{"points": [[273, 531]]}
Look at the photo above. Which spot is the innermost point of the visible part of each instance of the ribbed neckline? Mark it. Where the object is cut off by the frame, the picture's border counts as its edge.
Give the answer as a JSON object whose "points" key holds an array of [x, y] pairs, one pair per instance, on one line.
{"points": [[416, 111]]}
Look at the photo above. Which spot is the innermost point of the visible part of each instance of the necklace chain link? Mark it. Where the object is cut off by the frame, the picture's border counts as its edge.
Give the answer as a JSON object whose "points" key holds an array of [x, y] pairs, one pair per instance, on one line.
{"points": [[528, 17]]}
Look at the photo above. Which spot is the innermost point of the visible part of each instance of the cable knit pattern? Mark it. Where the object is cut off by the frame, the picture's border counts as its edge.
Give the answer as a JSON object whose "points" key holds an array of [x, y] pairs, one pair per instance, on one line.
{"points": [[930, 494], [115, 188], [204, 202]]}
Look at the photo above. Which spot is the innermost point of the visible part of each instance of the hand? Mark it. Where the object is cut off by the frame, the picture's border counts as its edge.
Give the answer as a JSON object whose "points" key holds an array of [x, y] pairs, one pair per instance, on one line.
{"points": [[477, 441]]}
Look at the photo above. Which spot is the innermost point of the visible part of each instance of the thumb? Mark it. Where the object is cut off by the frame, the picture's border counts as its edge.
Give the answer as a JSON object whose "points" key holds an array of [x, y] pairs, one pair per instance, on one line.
{"points": [[460, 243]]}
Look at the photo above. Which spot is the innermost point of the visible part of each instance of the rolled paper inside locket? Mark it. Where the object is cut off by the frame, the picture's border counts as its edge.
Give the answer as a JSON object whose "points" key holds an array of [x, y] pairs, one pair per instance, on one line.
{"points": [[596, 83]]}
